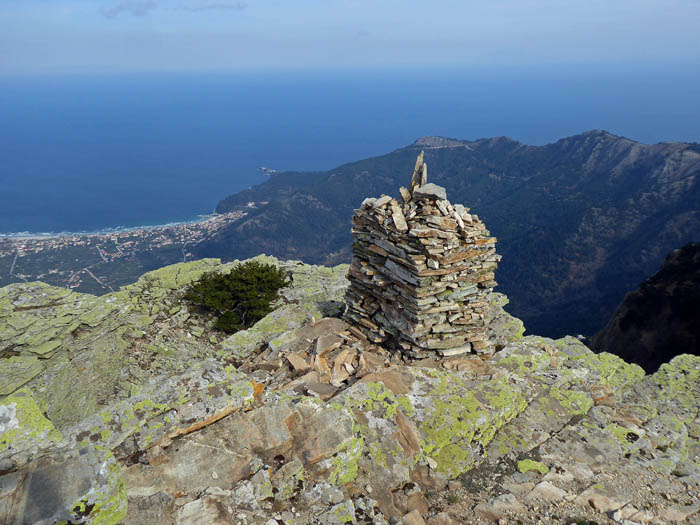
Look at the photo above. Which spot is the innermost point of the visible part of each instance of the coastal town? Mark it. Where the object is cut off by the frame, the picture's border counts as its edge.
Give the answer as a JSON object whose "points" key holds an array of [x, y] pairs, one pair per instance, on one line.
{"points": [[126, 240], [101, 262]]}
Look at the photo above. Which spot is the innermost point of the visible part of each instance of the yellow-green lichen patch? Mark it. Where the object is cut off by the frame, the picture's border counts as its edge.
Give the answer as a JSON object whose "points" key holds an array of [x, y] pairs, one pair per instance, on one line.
{"points": [[525, 360], [343, 512], [679, 381], [20, 321], [612, 370], [625, 437], [406, 406], [96, 316], [174, 276], [663, 464], [643, 412], [146, 420], [149, 408], [375, 411], [515, 330], [526, 465], [17, 371], [231, 372], [22, 424], [461, 418], [80, 386], [286, 480], [575, 402], [45, 349], [381, 399], [378, 455], [241, 344], [41, 332], [548, 413], [693, 429], [105, 504], [5, 303], [345, 462], [508, 440], [148, 417]]}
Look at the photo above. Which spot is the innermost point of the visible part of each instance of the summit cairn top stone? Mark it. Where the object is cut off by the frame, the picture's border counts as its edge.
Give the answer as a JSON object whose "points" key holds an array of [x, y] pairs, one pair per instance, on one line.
{"points": [[422, 272]]}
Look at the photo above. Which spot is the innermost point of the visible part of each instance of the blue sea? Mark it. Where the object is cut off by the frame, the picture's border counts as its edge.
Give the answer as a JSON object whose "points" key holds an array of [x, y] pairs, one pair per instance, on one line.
{"points": [[86, 152]]}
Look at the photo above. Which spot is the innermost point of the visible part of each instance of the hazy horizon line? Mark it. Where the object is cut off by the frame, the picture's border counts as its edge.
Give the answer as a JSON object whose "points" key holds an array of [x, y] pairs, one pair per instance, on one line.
{"points": [[680, 65]]}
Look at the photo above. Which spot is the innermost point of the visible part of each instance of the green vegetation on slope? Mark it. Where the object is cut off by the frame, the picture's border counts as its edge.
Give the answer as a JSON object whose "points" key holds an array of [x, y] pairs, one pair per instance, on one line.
{"points": [[241, 297]]}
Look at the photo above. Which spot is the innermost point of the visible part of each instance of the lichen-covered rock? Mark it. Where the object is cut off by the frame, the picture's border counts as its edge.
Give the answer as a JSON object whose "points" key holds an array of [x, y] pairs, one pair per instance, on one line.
{"points": [[315, 292], [127, 372], [32, 449], [65, 485], [244, 461], [412, 417], [503, 328], [23, 426], [110, 346], [152, 420], [59, 339], [16, 371], [340, 514]]}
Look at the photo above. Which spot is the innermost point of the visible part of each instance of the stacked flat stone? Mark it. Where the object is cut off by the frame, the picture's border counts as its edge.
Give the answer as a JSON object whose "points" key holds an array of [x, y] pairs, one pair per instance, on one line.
{"points": [[422, 272]]}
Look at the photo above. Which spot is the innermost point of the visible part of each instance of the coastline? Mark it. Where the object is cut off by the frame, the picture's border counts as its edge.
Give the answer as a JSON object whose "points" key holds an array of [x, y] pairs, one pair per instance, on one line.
{"points": [[116, 243], [102, 261], [108, 231]]}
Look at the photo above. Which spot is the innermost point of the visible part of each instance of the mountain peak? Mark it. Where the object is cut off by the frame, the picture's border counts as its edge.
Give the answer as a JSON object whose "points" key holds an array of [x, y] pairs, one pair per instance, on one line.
{"points": [[601, 132], [602, 135], [596, 136], [430, 141]]}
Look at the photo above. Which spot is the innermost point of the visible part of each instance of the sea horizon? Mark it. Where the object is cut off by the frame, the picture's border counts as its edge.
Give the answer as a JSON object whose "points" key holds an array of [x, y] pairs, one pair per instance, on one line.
{"points": [[90, 153]]}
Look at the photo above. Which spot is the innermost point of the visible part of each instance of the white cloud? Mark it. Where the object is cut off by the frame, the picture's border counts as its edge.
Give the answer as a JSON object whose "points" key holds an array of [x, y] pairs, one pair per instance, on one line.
{"points": [[134, 7]]}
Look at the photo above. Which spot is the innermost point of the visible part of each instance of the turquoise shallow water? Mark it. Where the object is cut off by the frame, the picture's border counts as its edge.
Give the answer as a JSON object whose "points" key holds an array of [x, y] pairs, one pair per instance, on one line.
{"points": [[84, 153]]}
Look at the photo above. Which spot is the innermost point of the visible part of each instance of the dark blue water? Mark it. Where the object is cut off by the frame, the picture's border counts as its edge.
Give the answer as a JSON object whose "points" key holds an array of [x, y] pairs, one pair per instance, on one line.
{"points": [[87, 152]]}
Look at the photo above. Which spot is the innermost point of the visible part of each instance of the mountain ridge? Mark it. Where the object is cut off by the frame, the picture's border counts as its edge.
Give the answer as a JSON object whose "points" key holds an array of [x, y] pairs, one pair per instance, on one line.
{"points": [[580, 221]]}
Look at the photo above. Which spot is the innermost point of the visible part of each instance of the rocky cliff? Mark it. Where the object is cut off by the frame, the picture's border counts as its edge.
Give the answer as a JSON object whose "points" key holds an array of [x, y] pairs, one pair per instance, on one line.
{"points": [[661, 319], [129, 408]]}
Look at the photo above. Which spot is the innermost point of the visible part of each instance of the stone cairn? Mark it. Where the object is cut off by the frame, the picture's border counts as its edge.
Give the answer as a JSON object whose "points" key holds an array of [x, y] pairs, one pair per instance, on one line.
{"points": [[422, 272]]}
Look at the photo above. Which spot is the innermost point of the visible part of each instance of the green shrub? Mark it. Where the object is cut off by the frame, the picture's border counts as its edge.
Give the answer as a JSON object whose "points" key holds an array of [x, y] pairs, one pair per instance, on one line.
{"points": [[453, 498], [241, 297]]}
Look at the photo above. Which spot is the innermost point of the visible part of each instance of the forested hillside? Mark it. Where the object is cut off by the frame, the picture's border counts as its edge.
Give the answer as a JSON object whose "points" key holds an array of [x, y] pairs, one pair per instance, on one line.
{"points": [[580, 222]]}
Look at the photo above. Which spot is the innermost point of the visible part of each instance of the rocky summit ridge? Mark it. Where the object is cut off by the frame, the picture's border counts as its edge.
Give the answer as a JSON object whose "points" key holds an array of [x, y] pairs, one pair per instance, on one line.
{"points": [[128, 408]]}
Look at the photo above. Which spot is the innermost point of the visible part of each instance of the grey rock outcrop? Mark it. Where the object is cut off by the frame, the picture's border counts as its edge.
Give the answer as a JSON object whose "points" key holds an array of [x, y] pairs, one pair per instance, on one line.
{"points": [[302, 419]]}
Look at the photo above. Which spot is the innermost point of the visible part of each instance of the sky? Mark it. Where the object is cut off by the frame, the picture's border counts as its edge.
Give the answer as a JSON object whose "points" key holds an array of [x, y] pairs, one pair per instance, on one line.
{"points": [[91, 36]]}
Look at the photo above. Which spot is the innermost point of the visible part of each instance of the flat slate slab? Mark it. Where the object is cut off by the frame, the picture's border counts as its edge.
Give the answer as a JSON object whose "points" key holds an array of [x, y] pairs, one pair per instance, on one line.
{"points": [[16, 371], [430, 191]]}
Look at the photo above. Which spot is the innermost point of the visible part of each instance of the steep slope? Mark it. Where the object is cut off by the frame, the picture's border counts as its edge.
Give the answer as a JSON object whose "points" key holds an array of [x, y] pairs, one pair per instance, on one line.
{"points": [[661, 319], [580, 222]]}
